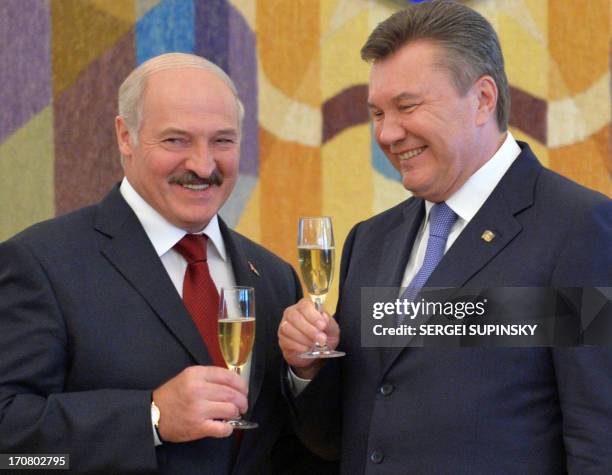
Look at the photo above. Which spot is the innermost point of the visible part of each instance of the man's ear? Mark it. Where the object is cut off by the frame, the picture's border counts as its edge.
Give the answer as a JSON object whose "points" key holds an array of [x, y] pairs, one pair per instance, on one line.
{"points": [[123, 137], [486, 96]]}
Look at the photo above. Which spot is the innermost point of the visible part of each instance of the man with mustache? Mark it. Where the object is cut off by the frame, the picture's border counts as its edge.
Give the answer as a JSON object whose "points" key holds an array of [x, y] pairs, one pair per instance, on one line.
{"points": [[484, 213], [100, 358]]}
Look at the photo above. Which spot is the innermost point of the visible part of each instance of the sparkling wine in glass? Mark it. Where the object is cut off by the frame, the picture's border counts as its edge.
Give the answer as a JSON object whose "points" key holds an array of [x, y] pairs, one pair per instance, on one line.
{"points": [[316, 258], [236, 326]]}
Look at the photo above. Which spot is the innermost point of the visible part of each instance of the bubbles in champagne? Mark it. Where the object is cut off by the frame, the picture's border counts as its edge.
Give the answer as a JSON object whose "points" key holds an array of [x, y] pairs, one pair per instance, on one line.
{"points": [[236, 336], [317, 268]]}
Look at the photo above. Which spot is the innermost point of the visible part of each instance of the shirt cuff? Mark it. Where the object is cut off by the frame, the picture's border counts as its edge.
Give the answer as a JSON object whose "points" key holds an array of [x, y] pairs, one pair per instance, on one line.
{"points": [[156, 440], [296, 384]]}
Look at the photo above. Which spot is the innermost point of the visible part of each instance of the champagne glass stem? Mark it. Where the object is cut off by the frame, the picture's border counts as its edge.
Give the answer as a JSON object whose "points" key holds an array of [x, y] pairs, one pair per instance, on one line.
{"points": [[238, 418], [318, 302], [238, 422]]}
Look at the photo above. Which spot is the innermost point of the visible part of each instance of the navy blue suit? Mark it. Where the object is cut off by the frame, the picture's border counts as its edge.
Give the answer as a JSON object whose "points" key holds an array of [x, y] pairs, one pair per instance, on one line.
{"points": [[472, 410], [90, 324]]}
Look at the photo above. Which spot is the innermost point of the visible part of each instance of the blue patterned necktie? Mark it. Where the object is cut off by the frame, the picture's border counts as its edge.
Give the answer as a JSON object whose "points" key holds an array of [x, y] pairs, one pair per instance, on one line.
{"points": [[441, 221]]}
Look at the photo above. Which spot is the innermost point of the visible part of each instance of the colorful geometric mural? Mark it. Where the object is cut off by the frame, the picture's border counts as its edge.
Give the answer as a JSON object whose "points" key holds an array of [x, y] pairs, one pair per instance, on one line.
{"points": [[307, 146]]}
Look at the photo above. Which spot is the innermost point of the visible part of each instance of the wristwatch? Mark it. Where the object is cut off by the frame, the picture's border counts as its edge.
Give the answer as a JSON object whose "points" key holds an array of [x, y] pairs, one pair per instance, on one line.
{"points": [[155, 416]]}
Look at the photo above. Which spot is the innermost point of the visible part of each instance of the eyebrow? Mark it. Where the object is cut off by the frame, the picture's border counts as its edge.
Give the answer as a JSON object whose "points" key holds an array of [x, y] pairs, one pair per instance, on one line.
{"points": [[404, 96], [227, 131], [400, 97], [174, 130]]}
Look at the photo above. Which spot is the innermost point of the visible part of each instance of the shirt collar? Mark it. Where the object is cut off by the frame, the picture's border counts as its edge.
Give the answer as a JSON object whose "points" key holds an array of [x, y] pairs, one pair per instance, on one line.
{"points": [[468, 199], [162, 234]]}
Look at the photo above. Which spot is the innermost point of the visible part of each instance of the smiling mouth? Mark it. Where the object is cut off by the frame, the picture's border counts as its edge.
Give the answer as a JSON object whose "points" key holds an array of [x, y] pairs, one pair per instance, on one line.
{"points": [[412, 153], [196, 187]]}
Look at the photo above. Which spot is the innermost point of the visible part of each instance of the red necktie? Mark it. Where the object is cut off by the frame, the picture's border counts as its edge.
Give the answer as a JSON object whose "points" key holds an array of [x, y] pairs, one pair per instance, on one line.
{"points": [[200, 294]]}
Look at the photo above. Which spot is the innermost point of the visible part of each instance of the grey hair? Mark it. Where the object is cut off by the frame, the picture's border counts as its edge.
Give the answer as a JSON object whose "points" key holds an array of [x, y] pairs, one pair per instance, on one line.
{"points": [[132, 89], [471, 46]]}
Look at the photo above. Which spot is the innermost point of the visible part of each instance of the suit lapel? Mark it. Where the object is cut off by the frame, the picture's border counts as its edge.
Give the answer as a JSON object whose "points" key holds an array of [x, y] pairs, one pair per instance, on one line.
{"points": [[129, 250], [397, 244], [470, 253], [246, 273]]}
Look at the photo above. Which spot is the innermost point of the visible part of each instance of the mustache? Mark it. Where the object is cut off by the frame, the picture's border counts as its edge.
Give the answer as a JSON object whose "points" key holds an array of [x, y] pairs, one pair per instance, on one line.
{"points": [[191, 178]]}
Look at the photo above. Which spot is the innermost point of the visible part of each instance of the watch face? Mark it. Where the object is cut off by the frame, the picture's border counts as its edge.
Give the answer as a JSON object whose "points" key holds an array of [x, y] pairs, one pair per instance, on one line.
{"points": [[154, 414]]}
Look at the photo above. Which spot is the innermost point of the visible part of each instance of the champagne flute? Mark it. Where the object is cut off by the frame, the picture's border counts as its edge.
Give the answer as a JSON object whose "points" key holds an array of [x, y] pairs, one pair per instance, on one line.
{"points": [[237, 334], [316, 258]]}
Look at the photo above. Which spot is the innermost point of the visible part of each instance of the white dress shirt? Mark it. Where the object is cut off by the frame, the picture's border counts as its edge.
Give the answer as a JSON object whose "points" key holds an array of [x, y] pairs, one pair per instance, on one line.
{"points": [[164, 235], [465, 202]]}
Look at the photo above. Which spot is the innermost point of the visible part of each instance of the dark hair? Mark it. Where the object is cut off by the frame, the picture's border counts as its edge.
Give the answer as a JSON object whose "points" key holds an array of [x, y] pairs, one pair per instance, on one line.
{"points": [[470, 44]]}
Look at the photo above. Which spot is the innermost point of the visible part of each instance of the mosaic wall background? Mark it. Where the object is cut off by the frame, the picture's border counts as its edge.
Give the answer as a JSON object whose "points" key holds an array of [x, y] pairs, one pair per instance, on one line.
{"points": [[307, 148]]}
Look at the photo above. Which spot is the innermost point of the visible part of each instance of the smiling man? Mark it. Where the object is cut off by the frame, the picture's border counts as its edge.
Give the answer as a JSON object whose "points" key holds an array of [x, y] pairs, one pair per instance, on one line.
{"points": [[184, 160], [108, 331], [484, 213]]}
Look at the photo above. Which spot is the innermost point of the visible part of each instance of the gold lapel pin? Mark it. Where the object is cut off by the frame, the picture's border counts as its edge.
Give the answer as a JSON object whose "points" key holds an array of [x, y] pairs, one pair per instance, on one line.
{"points": [[488, 236], [253, 269]]}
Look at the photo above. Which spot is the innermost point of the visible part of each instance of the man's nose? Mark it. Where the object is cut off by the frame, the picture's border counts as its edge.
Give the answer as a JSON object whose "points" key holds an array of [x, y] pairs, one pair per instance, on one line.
{"points": [[390, 131], [201, 160]]}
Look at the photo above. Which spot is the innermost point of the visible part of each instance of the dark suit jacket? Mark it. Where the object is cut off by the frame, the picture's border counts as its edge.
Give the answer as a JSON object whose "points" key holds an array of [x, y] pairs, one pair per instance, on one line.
{"points": [[473, 410], [90, 324]]}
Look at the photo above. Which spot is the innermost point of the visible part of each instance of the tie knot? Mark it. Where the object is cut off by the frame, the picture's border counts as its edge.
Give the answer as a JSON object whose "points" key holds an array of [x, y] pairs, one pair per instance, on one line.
{"points": [[192, 247], [442, 220]]}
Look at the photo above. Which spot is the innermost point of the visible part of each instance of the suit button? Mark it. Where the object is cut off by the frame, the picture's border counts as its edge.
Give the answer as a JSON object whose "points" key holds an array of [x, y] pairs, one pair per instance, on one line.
{"points": [[386, 389], [377, 456]]}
